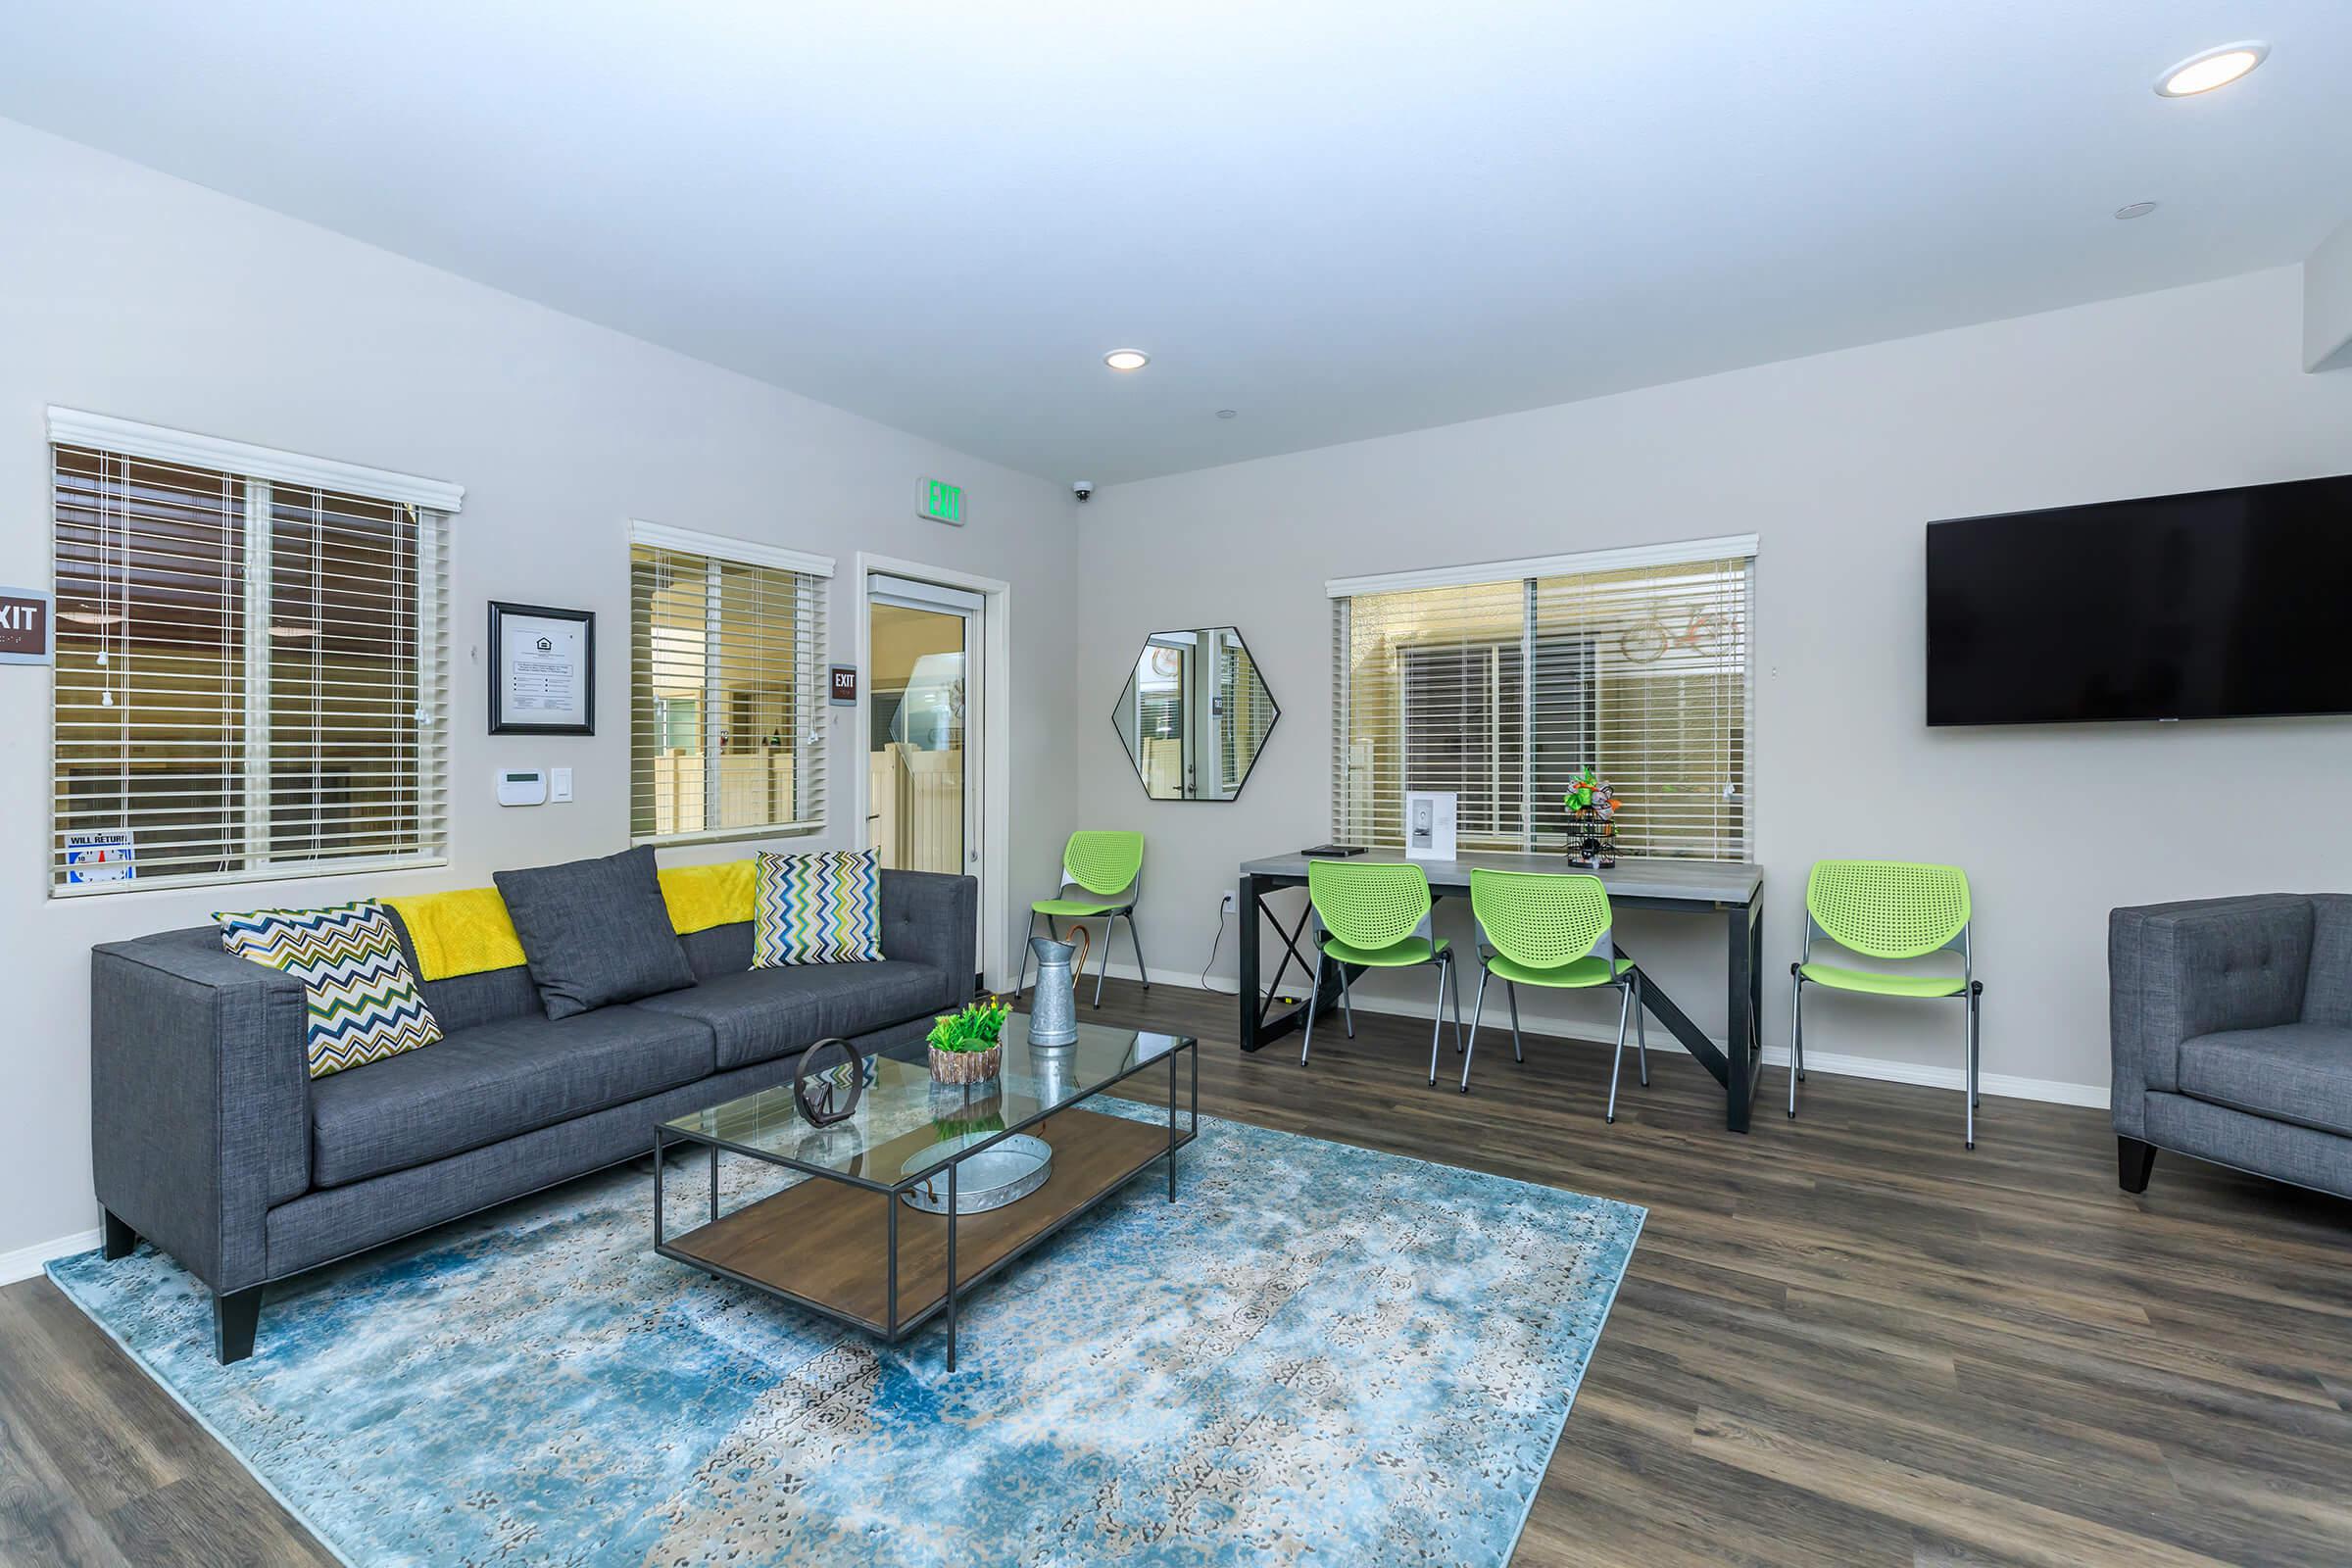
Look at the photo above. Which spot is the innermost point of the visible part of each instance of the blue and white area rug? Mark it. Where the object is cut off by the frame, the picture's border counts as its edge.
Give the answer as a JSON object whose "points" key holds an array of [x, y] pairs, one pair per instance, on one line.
{"points": [[1318, 1353]]}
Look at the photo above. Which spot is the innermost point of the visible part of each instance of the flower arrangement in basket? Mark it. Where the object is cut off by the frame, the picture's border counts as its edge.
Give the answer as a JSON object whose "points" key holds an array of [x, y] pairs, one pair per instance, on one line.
{"points": [[1592, 805], [964, 1045]]}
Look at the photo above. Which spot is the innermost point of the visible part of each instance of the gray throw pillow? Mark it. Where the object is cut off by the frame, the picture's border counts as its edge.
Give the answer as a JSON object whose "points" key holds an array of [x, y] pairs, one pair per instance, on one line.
{"points": [[595, 932]]}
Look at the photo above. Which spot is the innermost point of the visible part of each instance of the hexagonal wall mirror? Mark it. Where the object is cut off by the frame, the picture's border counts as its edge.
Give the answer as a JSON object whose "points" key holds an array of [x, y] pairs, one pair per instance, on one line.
{"points": [[1196, 715]]}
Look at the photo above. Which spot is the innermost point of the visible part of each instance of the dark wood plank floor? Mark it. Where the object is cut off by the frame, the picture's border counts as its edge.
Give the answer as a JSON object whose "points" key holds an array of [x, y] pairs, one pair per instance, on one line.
{"points": [[1842, 1340]]}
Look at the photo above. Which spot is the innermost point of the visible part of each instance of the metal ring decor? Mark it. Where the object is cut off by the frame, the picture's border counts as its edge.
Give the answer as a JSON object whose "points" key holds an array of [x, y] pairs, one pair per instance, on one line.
{"points": [[822, 1063]]}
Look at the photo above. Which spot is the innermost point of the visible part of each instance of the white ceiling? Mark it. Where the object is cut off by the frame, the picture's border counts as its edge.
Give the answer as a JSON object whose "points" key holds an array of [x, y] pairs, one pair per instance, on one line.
{"points": [[1340, 218]]}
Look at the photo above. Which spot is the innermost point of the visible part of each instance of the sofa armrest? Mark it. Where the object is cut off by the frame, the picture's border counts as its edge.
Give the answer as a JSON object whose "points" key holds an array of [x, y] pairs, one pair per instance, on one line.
{"points": [[2175, 972], [199, 1099], [934, 918]]}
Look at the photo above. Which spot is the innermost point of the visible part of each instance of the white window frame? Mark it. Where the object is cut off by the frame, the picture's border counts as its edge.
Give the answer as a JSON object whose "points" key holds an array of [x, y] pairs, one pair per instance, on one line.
{"points": [[811, 678], [259, 468]]}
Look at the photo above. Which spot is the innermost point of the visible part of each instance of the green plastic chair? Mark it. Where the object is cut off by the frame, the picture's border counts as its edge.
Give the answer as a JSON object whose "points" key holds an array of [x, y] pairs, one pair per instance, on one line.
{"points": [[1552, 928], [1374, 914], [1890, 909], [1105, 867]]}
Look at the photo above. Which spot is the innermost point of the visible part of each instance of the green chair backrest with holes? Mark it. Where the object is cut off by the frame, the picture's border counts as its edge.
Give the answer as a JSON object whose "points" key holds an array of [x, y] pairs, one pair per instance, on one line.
{"points": [[1888, 908], [1368, 906], [1543, 919], [1104, 861]]}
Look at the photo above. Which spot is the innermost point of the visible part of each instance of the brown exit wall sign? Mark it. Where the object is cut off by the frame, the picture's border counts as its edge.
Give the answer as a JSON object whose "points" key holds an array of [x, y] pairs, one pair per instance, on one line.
{"points": [[845, 686], [23, 627]]}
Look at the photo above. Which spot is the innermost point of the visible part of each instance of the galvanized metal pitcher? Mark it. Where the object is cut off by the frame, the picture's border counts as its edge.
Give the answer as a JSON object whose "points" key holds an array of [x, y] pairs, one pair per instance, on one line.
{"points": [[1053, 1005]]}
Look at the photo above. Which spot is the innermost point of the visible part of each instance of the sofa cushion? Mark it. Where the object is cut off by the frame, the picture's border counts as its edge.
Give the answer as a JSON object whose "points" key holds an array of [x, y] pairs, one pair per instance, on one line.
{"points": [[759, 1014], [493, 1081], [2299, 1073], [721, 949], [595, 932]]}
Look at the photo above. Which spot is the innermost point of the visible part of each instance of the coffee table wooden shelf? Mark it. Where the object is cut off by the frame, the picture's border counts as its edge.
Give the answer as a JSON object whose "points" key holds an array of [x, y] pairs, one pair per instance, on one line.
{"points": [[843, 1243]]}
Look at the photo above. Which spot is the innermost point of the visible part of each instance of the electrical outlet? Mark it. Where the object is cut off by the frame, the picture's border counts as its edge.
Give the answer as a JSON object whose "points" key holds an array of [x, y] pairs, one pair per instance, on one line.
{"points": [[1225, 904]]}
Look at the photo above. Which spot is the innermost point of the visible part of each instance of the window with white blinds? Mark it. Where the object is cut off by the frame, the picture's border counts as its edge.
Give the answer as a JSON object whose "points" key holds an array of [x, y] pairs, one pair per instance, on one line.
{"points": [[727, 687], [249, 669], [1502, 688]]}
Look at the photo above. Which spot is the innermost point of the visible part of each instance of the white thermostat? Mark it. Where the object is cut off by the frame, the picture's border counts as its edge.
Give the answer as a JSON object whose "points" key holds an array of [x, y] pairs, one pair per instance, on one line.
{"points": [[523, 786]]}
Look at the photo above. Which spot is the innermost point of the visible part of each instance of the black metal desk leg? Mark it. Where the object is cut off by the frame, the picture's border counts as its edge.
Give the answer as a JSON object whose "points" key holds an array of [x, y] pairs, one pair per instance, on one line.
{"points": [[1739, 1020], [890, 1311], [715, 1181], [952, 1208], [1245, 907]]}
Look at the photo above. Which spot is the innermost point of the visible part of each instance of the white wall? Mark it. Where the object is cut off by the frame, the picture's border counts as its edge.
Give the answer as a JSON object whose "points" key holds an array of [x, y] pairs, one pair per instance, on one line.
{"points": [[125, 292], [1836, 462]]}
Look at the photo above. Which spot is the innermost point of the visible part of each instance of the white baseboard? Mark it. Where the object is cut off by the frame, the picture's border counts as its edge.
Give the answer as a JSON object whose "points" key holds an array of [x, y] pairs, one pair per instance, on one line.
{"points": [[2005, 1085], [26, 1261]]}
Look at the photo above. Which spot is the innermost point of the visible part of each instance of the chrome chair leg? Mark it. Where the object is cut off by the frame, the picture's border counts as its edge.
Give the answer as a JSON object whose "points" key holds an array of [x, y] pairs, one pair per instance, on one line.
{"points": [[1140, 973], [1020, 980], [1436, 1026], [1797, 1037], [1976, 1044], [1510, 989], [1477, 1010], [1617, 1058], [1640, 1031], [1455, 979], [1969, 1023], [1314, 990], [1103, 965], [1346, 1001]]}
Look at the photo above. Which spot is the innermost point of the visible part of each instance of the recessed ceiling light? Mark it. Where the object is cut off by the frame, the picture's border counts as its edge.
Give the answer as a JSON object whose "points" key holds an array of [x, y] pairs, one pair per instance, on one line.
{"points": [[1126, 358], [2136, 209], [293, 633], [91, 618], [1227, 413], [2215, 68]]}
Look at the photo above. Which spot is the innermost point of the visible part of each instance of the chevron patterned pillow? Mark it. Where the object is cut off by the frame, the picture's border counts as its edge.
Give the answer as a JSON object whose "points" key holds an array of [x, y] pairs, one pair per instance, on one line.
{"points": [[819, 908], [363, 1000]]}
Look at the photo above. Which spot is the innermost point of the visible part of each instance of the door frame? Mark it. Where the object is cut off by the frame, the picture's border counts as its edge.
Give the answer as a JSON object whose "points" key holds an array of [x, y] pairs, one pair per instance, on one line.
{"points": [[995, 738]]}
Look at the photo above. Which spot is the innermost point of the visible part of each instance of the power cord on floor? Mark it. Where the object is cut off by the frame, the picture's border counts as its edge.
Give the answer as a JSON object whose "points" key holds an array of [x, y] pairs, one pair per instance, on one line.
{"points": [[1215, 943]]}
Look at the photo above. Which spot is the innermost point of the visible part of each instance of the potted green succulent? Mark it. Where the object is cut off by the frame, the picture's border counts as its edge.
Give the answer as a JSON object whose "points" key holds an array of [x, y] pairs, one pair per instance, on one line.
{"points": [[964, 1045]]}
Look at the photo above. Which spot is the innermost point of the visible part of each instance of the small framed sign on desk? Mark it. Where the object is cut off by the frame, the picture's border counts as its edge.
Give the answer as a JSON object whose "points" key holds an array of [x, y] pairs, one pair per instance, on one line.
{"points": [[542, 670]]}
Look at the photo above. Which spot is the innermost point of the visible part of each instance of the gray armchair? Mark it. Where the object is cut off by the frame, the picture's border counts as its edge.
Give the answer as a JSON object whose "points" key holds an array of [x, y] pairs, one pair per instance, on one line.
{"points": [[2231, 1022]]}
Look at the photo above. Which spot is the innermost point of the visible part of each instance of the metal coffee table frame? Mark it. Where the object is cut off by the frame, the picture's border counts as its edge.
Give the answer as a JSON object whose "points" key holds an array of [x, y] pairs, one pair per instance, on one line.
{"points": [[893, 1329]]}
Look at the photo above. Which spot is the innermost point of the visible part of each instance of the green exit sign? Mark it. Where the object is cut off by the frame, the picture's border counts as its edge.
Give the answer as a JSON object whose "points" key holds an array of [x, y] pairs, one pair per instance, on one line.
{"points": [[942, 502]]}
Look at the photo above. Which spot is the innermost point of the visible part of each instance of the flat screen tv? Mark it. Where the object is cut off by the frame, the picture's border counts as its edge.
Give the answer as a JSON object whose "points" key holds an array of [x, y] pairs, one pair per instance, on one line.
{"points": [[2221, 603]]}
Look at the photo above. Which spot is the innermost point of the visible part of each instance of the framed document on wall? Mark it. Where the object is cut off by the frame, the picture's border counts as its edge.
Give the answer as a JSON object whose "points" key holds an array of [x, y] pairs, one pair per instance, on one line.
{"points": [[542, 670]]}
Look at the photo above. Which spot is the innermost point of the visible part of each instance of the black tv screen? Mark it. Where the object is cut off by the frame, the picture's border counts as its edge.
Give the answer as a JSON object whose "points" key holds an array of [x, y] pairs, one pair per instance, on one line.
{"points": [[2220, 603]]}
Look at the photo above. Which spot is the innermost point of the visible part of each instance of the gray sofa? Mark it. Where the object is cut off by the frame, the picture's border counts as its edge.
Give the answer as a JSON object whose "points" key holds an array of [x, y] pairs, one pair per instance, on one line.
{"points": [[212, 1140], [2232, 1034]]}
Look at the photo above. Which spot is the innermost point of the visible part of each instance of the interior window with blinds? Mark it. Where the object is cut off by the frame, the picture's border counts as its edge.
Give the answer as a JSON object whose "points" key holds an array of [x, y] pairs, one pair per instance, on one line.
{"points": [[249, 678], [1504, 691], [726, 662]]}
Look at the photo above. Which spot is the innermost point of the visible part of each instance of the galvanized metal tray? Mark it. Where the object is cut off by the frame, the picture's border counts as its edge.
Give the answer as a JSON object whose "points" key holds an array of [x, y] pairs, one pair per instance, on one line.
{"points": [[1004, 1174]]}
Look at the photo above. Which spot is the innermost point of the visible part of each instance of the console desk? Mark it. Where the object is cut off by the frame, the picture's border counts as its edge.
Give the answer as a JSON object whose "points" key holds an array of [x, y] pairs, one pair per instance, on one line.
{"points": [[1728, 890]]}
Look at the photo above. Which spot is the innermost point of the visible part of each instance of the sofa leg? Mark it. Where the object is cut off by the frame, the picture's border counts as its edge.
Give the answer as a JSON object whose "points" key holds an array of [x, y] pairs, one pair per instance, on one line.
{"points": [[2133, 1160], [120, 1240], [236, 1316]]}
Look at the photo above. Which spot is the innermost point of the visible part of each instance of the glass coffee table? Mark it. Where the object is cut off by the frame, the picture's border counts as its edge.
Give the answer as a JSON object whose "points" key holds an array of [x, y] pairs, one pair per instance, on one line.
{"points": [[887, 1230]]}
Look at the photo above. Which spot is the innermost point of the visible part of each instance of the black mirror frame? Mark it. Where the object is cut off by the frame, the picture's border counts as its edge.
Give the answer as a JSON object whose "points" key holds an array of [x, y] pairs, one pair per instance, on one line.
{"points": [[1137, 767]]}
